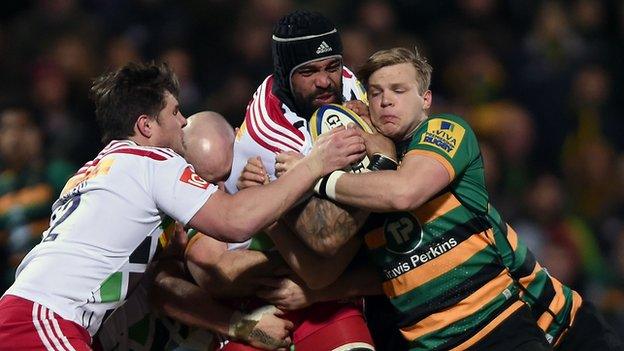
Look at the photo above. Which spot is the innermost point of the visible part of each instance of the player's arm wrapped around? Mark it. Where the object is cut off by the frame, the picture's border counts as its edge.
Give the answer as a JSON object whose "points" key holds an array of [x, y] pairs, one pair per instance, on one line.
{"points": [[244, 326]]}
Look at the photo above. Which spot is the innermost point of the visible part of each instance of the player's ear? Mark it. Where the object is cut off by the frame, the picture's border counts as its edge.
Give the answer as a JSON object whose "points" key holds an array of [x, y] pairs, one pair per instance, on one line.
{"points": [[428, 99], [144, 125]]}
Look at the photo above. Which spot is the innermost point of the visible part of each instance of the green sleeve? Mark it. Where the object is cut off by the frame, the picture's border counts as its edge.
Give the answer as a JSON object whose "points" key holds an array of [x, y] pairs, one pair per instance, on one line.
{"points": [[449, 139]]}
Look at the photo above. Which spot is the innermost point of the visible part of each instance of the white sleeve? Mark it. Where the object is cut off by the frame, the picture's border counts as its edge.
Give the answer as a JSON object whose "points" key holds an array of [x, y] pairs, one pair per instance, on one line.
{"points": [[244, 149], [178, 191]]}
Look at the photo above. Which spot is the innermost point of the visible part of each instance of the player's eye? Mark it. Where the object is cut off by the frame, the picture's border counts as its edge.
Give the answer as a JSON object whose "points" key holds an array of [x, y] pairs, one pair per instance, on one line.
{"points": [[306, 73]]}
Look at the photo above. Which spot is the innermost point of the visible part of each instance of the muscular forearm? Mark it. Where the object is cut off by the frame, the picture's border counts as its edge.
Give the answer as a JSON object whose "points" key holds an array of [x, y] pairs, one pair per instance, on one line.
{"points": [[325, 226], [234, 218], [235, 273], [366, 191], [315, 270], [417, 180]]}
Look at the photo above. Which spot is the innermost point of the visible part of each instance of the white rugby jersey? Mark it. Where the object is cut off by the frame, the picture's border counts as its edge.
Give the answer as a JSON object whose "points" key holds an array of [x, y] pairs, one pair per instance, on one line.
{"points": [[271, 127], [104, 230]]}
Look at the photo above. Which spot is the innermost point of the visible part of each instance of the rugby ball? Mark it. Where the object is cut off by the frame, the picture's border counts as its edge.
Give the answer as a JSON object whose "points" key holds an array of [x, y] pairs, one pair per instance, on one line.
{"points": [[331, 116]]}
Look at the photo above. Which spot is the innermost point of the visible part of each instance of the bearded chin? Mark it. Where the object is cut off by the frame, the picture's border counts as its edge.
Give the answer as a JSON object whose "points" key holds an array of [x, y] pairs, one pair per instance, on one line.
{"points": [[305, 106]]}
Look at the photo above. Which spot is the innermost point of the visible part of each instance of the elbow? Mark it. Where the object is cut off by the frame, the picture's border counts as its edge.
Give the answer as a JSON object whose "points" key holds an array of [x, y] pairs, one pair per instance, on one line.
{"points": [[326, 248], [238, 230], [404, 199]]}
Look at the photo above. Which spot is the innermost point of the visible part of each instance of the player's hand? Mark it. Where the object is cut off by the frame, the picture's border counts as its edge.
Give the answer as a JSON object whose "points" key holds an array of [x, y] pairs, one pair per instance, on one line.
{"points": [[270, 332], [285, 161], [253, 174], [377, 143], [286, 293], [336, 149], [177, 244], [361, 109]]}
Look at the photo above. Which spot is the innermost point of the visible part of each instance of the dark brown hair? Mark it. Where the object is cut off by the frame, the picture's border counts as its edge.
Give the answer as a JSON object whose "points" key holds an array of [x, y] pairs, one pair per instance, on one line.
{"points": [[122, 96]]}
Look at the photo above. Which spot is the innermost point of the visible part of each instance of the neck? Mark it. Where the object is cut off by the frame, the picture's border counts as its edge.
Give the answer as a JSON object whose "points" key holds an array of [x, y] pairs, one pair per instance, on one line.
{"points": [[409, 134], [140, 140]]}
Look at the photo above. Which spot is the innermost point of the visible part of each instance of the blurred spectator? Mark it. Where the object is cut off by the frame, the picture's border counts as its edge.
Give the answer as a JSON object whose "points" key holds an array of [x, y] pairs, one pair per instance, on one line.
{"points": [[562, 242], [119, 51], [592, 114], [476, 75], [550, 51], [182, 65], [378, 20], [357, 47], [511, 131], [29, 183], [67, 135]]}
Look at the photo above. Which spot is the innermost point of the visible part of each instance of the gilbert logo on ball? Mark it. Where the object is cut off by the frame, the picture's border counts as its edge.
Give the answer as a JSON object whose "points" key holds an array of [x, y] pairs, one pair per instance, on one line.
{"points": [[331, 116]]}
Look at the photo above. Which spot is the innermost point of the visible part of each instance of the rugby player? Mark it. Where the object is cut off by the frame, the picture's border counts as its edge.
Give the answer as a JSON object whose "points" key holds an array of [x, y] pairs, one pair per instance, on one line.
{"points": [[182, 314], [451, 265], [106, 222], [308, 72]]}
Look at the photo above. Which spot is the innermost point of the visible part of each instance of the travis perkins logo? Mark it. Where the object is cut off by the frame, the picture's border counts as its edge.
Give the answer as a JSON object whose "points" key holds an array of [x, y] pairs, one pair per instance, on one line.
{"points": [[419, 258]]}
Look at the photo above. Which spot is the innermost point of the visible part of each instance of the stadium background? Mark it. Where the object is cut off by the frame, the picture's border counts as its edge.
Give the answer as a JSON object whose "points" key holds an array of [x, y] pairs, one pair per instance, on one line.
{"points": [[540, 81]]}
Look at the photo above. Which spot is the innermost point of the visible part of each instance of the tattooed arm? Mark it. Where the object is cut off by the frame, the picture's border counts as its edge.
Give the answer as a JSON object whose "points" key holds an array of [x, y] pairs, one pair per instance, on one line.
{"points": [[322, 225], [325, 226]]}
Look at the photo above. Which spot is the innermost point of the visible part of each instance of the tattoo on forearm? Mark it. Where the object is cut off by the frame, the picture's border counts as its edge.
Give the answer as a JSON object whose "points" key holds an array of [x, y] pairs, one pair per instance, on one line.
{"points": [[322, 223], [265, 339]]}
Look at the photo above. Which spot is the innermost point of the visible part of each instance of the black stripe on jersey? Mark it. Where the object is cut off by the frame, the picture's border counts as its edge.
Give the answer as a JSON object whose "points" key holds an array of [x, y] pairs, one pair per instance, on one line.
{"points": [[543, 300], [451, 343], [451, 296], [526, 268], [141, 253], [565, 324], [374, 221], [460, 233]]}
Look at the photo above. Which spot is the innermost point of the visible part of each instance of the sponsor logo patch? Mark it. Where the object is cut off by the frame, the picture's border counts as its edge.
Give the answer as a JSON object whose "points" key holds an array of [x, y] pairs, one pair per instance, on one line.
{"points": [[190, 177], [444, 134], [241, 131], [323, 48]]}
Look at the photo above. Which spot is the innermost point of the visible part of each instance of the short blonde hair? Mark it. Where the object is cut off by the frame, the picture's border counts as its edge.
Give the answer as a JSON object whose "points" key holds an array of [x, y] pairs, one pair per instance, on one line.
{"points": [[397, 56]]}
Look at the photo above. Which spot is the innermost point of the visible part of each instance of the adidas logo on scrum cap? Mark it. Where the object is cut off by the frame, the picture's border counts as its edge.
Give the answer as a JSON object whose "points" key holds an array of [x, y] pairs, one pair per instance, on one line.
{"points": [[323, 48]]}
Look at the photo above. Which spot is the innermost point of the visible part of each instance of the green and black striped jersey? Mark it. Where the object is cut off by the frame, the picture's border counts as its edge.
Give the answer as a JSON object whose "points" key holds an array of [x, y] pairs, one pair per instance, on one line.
{"points": [[442, 266], [553, 304]]}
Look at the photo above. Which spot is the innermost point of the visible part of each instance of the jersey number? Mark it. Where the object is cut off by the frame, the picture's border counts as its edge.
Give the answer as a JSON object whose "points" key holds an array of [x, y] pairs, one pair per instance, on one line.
{"points": [[59, 215]]}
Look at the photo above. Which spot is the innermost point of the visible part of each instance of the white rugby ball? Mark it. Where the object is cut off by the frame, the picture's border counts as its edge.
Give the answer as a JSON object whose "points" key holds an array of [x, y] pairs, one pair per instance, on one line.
{"points": [[331, 116]]}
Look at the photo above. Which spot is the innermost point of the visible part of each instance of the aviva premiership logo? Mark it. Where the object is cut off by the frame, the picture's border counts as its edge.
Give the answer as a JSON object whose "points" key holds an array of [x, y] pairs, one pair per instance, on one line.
{"points": [[443, 134], [403, 232]]}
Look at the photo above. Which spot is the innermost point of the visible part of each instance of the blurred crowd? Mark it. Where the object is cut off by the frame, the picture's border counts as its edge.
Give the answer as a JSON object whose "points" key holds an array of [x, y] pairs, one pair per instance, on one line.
{"points": [[540, 82]]}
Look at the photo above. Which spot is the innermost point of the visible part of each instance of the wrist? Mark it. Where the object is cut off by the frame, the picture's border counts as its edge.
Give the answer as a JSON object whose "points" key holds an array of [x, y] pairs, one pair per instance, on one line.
{"points": [[380, 161], [326, 186], [241, 325], [314, 167]]}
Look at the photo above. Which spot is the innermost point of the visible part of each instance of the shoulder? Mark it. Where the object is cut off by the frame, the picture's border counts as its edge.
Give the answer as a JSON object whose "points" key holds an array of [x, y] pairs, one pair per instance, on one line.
{"points": [[446, 123], [445, 133], [136, 152], [266, 123]]}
